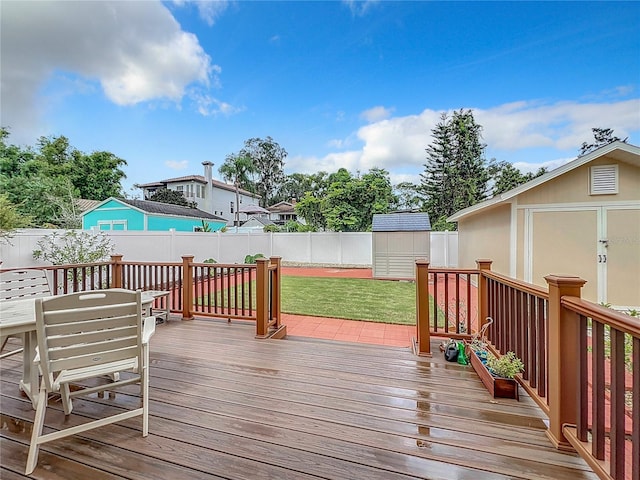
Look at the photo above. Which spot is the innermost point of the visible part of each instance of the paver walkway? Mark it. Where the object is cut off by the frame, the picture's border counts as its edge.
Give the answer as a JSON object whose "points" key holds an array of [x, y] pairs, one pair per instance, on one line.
{"points": [[339, 329]]}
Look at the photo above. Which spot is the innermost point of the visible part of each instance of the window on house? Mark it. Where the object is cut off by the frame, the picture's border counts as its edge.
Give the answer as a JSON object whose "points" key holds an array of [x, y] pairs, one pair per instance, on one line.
{"points": [[231, 205], [604, 180], [180, 188]]}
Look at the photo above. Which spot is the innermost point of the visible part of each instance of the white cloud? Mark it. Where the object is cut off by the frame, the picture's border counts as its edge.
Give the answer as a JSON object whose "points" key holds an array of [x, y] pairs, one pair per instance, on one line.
{"points": [[398, 144], [359, 7], [207, 105], [136, 51], [376, 114], [175, 165]]}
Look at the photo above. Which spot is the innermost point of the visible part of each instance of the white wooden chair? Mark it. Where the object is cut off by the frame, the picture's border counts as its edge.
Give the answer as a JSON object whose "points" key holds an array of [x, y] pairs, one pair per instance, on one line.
{"points": [[86, 335], [18, 284]]}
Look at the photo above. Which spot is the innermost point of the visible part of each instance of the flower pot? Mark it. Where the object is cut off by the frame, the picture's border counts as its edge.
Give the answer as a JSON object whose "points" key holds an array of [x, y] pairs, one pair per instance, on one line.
{"points": [[497, 387]]}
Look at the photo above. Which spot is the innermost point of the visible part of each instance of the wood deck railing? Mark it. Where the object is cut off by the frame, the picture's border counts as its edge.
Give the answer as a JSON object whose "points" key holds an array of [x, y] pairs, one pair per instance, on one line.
{"points": [[229, 291], [582, 360]]}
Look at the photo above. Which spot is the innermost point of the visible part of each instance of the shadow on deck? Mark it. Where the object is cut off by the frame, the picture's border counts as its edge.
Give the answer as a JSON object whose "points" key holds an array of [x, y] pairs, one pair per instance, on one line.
{"points": [[225, 405]]}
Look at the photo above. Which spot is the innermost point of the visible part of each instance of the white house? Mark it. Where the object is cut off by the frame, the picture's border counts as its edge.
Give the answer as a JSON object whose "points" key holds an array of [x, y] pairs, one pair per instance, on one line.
{"points": [[210, 195]]}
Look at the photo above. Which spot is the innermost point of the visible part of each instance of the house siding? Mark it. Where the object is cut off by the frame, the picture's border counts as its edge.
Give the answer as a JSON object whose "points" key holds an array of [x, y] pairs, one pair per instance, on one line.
{"points": [[163, 223], [114, 211]]}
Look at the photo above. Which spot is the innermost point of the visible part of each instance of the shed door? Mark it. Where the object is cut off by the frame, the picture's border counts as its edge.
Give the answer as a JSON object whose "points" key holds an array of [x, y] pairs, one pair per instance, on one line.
{"points": [[622, 250], [601, 245], [565, 242]]}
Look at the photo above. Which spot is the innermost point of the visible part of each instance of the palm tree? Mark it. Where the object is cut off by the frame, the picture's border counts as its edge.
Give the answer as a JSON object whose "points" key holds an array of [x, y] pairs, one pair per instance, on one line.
{"points": [[237, 168]]}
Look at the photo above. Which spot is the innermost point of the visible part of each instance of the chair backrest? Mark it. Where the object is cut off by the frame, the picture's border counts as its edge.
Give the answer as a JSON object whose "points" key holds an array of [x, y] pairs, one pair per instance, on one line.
{"points": [[17, 284], [88, 329]]}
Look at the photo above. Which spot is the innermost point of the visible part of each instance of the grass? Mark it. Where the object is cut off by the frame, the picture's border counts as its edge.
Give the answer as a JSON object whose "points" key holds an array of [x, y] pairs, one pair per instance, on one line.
{"points": [[350, 298]]}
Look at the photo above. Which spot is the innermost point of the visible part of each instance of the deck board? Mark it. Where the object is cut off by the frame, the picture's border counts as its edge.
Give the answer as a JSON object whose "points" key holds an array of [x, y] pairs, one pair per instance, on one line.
{"points": [[226, 405]]}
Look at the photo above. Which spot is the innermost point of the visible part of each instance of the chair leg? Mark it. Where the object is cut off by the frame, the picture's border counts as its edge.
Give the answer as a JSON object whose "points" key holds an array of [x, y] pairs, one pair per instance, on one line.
{"points": [[145, 393], [38, 422], [65, 393]]}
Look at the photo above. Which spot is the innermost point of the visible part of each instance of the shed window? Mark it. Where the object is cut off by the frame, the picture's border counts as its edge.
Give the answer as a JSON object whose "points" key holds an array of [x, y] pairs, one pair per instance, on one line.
{"points": [[604, 180]]}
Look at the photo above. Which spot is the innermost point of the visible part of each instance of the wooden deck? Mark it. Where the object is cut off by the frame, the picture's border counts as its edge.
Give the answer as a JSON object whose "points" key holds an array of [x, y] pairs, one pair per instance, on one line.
{"points": [[225, 405]]}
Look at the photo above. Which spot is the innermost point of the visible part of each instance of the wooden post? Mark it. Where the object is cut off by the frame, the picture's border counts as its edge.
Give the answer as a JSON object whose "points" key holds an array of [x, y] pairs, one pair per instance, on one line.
{"points": [[275, 290], [262, 297], [423, 332], [484, 265], [564, 374], [187, 287], [116, 276]]}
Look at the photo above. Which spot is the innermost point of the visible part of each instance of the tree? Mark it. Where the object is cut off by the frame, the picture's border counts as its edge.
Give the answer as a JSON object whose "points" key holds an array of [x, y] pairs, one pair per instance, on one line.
{"points": [[268, 158], [351, 202], [44, 182], [407, 196], [602, 137], [507, 177], [237, 169], [10, 219], [165, 195], [310, 208], [455, 176]]}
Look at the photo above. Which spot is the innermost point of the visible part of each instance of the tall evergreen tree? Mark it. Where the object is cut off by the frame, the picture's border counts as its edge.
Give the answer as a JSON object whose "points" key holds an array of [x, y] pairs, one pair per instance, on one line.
{"points": [[455, 174], [602, 137]]}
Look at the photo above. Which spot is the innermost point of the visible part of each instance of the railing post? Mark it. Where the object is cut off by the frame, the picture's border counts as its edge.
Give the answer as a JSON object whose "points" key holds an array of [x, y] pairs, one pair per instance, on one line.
{"points": [[262, 297], [564, 373], [116, 271], [187, 287], [484, 265], [423, 332], [275, 290]]}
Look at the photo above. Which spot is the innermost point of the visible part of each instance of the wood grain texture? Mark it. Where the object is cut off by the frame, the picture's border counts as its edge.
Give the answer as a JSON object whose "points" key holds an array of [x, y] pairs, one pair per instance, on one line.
{"points": [[227, 405]]}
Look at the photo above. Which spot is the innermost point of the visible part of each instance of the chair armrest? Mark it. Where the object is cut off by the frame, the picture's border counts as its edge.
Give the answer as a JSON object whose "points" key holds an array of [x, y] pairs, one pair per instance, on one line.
{"points": [[148, 329]]}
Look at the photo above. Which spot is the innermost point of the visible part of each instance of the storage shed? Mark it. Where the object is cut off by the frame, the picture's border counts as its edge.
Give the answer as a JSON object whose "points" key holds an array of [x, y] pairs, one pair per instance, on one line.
{"points": [[398, 240]]}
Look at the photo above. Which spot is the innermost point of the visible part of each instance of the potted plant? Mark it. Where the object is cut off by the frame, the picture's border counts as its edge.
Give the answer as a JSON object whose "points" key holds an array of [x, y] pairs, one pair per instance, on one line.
{"points": [[497, 373]]}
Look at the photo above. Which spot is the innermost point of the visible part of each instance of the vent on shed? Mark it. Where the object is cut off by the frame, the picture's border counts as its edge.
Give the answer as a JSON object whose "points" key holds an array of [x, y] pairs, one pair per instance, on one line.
{"points": [[604, 180]]}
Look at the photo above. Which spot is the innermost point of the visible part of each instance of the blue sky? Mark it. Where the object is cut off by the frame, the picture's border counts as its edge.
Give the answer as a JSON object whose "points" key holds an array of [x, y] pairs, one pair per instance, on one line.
{"points": [[168, 85]]}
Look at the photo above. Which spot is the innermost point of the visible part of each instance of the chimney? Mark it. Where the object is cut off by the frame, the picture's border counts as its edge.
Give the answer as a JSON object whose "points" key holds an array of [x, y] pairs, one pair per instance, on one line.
{"points": [[208, 190]]}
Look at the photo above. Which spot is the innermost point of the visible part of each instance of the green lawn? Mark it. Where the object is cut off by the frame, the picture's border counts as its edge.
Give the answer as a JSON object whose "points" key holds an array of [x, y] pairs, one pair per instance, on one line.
{"points": [[351, 298]]}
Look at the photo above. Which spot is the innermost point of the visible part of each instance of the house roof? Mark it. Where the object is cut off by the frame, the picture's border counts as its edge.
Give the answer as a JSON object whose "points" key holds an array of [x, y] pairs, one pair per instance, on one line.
{"points": [[620, 151], [198, 179], [160, 208], [282, 207], [84, 204], [401, 222], [249, 209], [257, 220]]}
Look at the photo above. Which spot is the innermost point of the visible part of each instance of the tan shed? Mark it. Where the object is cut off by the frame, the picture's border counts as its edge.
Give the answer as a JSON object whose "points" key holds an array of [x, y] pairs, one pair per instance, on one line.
{"points": [[398, 240], [582, 218]]}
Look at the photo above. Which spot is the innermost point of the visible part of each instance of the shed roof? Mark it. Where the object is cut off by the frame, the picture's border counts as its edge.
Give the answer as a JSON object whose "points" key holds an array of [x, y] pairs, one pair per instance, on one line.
{"points": [[160, 208], [401, 222], [624, 152]]}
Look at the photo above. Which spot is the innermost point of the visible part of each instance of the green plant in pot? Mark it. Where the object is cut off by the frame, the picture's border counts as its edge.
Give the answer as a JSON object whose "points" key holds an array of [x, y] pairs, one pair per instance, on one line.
{"points": [[507, 366]]}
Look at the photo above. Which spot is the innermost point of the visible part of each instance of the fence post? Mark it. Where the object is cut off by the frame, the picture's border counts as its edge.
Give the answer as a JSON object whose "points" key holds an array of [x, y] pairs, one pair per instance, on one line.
{"points": [[116, 273], [262, 297], [484, 265], [275, 291], [187, 286], [564, 374], [422, 308]]}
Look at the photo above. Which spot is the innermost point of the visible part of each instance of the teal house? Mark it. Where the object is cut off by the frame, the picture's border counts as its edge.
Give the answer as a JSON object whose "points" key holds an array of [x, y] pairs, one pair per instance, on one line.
{"points": [[124, 214]]}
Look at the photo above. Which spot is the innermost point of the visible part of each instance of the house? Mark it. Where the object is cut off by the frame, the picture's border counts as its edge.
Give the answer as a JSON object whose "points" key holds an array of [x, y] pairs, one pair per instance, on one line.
{"points": [[282, 212], [212, 196], [399, 239], [124, 214], [582, 218]]}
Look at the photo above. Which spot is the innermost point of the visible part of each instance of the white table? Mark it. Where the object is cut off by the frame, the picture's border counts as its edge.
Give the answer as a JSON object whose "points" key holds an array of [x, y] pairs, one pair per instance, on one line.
{"points": [[18, 317]]}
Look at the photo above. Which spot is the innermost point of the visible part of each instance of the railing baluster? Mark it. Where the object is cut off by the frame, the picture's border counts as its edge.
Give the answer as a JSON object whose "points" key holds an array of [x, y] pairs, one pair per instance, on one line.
{"points": [[597, 393], [617, 404]]}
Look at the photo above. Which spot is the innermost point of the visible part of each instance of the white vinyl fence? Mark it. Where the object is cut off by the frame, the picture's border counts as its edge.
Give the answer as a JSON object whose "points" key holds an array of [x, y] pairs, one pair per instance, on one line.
{"points": [[329, 248]]}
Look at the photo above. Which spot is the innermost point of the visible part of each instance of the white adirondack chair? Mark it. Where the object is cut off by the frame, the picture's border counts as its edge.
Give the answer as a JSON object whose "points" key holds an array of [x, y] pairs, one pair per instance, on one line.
{"points": [[86, 335], [17, 284]]}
